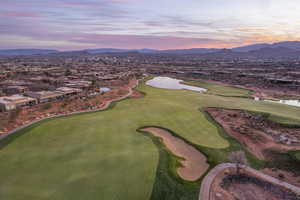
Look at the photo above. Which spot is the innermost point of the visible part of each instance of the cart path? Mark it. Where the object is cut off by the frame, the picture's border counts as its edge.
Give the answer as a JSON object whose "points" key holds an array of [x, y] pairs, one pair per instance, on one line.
{"points": [[209, 179]]}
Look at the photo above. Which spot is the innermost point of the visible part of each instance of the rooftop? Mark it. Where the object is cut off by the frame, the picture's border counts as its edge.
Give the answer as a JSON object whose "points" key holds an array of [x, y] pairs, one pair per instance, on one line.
{"points": [[14, 99]]}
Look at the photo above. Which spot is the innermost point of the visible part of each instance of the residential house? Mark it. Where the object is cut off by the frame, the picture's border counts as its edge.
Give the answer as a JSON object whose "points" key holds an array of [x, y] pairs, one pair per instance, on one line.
{"points": [[12, 102], [45, 96]]}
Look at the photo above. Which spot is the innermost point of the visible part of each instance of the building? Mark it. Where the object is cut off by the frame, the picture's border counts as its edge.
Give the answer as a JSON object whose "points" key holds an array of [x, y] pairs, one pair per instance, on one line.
{"points": [[9, 90], [12, 102], [79, 84], [67, 91], [45, 96]]}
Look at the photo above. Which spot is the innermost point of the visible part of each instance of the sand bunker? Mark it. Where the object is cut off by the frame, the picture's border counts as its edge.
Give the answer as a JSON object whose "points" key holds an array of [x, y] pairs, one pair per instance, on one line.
{"points": [[194, 164]]}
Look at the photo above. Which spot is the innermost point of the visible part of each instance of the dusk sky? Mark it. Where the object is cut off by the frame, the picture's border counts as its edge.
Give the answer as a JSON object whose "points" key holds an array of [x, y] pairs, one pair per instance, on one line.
{"points": [[159, 24]]}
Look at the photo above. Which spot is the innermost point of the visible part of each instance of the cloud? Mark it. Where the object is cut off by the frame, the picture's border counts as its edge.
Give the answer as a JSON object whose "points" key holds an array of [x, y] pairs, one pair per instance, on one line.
{"points": [[270, 34], [17, 14], [139, 23], [177, 22], [143, 41]]}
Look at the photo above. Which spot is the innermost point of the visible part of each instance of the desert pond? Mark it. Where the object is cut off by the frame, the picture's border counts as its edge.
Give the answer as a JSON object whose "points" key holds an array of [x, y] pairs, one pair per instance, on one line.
{"points": [[287, 102], [172, 83]]}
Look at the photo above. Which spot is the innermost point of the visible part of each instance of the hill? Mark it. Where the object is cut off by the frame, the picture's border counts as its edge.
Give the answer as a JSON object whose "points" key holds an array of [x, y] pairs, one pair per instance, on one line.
{"points": [[295, 45], [18, 52], [282, 49]]}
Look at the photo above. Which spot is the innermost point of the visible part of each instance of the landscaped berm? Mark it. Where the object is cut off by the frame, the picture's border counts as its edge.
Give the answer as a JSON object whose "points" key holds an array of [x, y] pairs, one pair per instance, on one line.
{"points": [[106, 155]]}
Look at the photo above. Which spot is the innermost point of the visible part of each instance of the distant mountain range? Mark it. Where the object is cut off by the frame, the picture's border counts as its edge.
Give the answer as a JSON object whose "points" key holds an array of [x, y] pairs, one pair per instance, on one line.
{"points": [[110, 50], [295, 45], [171, 51], [25, 52], [262, 53], [264, 50]]}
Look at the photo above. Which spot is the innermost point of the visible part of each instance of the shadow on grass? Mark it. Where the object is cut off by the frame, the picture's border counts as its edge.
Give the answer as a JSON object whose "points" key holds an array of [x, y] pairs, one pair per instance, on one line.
{"points": [[168, 185]]}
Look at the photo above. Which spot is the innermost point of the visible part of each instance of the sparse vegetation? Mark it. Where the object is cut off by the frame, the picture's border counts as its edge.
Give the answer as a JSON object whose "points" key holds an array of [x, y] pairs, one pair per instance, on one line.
{"points": [[14, 114], [270, 190], [46, 106]]}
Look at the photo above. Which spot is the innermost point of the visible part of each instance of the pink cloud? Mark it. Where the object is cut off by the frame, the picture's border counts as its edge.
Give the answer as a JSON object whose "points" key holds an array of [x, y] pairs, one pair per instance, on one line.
{"points": [[144, 41]]}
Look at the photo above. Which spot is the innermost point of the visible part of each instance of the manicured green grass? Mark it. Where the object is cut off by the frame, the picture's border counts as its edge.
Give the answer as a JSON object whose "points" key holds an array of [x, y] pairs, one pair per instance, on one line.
{"points": [[219, 89], [285, 121], [297, 155], [101, 155]]}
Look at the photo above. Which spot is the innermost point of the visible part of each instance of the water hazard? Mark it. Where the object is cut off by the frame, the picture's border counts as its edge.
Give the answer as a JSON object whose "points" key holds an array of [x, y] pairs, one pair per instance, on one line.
{"points": [[286, 102], [172, 83]]}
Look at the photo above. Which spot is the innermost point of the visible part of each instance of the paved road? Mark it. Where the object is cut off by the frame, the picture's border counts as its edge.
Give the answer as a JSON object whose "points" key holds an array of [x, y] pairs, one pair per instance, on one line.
{"points": [[209, 178], [106, 105]]}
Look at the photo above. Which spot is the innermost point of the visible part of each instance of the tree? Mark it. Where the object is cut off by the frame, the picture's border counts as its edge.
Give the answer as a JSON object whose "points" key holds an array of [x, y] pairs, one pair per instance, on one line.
{"points": [[68, 72], [47, 74], [239, 158], [94, 84]]}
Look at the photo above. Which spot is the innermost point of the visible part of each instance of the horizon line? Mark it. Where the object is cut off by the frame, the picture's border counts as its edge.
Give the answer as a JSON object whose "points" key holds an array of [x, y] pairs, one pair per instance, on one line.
{"points": [[158, 49]]}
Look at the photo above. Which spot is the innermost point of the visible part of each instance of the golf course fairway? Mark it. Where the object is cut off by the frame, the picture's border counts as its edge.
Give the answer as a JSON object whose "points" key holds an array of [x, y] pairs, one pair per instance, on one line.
{"points": [[101, 155]]}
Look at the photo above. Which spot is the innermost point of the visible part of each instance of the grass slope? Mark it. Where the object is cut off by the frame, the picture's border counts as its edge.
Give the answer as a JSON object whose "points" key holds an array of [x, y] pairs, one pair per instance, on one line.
{"points": [[218, 89], [101, 155]]}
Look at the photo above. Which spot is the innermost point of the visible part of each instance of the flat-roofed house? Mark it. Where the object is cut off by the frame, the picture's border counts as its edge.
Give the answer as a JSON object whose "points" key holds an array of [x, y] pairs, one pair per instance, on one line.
{"points": [[45, 96], [78, 84], [66, 91], [15, 89], [15, 101]]}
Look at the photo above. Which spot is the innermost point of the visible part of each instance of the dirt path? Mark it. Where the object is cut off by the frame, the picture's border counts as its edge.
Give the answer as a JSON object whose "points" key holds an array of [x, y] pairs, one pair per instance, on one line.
{"points": [[194, 164], [130, 92]]}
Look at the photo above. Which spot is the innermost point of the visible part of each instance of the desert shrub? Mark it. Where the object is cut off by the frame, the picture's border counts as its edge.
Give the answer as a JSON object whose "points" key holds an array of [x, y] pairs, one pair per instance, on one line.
{"points": [[46, 106], [64, 105], [256, 136], [281, 176], [13, 115], [267, 186]]}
